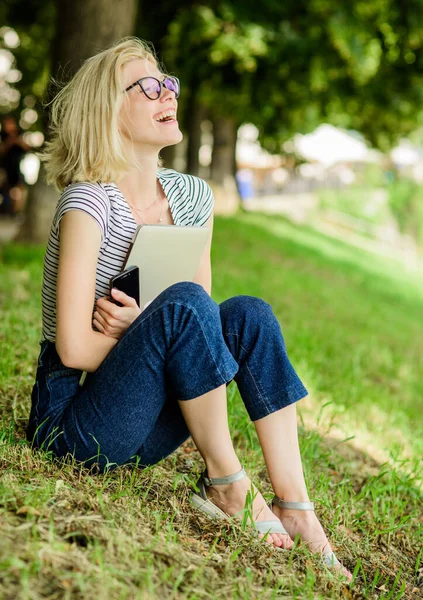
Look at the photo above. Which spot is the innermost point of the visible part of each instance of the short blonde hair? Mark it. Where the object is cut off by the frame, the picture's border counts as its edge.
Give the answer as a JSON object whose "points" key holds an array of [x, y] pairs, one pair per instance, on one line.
{"points": [[85, 144]]}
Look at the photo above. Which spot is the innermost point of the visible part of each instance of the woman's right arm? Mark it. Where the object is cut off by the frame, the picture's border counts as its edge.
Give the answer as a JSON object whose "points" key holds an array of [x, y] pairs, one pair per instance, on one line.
{"points": [[77, 344]]}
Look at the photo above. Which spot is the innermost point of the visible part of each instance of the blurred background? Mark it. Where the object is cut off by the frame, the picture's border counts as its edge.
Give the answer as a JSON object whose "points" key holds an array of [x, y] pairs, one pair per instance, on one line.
{"points": [[310, 109]]}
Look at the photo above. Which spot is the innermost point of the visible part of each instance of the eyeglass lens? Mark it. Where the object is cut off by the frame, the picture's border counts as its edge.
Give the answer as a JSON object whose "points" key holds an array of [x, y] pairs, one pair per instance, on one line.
{"points": [[152, 86], [172, 84]]}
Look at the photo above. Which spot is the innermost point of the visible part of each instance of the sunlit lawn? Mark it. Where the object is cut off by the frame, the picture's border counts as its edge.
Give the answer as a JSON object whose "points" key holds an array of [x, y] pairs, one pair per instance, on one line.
{"points": [[352, 322], [354, 330]]}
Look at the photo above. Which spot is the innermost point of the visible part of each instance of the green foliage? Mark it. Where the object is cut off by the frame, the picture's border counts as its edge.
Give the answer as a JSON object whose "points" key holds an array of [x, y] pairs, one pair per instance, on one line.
{"points": [[288, 67], [406, 202], [284, 66], [35, 24], [217, 55]]}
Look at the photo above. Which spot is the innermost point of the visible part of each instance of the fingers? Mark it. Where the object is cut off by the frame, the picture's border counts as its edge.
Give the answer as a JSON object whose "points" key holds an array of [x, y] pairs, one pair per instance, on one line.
{"points": [[97, 325], [106, 324], [105, 305], [98, 321], [103, 327], [123, 298], [108, 311], [105, 319], [113, 320]]}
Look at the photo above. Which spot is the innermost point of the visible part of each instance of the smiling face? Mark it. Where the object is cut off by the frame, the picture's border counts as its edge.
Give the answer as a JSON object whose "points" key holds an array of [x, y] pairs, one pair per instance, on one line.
{"points": [[145, 122]]}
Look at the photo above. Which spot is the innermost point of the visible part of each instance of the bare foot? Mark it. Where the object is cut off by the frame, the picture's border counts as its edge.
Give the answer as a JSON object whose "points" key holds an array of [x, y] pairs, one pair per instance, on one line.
{"points": [[308, 527], [231, 499]]}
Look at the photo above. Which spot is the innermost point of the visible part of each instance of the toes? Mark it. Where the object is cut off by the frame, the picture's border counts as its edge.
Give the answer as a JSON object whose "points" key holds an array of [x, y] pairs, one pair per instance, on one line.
{"points": [[285, 541], [272, 539], [344, 571], [268, 539], [347, 574], [280, 540]]}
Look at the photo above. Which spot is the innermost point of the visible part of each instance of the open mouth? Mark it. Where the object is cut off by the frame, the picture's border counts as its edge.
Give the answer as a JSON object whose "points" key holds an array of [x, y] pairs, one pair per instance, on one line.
{"points": [[166, 117]]}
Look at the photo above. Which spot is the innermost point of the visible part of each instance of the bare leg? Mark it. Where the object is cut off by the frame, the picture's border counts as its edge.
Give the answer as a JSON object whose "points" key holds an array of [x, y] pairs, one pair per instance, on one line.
{"points": [[278, 436], [207, 421]]}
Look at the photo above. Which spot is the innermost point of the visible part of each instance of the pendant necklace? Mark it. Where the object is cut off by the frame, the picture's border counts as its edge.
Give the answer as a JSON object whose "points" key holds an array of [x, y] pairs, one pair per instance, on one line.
{"points": [[143, 209], [139, 210]]}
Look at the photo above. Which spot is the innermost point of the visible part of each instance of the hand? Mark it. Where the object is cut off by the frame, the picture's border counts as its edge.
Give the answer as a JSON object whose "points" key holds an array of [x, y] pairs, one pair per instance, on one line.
{"points": [[112, 320]]}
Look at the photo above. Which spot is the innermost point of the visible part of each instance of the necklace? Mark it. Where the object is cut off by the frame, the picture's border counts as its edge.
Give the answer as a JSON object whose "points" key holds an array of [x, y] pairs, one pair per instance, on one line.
{"points": [[139, 210], [146, 208], [142, 209]]}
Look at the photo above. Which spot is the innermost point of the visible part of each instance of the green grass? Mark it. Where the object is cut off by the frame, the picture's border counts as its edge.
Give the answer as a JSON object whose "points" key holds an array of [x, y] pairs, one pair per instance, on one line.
{"points": [[353, 328], [356, 202]]}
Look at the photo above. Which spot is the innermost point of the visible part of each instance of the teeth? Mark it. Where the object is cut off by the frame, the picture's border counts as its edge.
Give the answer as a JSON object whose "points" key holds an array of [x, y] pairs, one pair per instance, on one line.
{"points": [[164, 115]]}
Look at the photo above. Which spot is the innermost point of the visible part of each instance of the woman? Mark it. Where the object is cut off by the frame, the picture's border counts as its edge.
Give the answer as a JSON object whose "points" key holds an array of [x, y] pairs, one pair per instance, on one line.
{"points": [[159, 375]]}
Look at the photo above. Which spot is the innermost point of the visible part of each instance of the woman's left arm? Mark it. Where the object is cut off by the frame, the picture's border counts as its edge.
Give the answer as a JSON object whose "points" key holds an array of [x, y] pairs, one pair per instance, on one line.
{"points": [[203, 275]]}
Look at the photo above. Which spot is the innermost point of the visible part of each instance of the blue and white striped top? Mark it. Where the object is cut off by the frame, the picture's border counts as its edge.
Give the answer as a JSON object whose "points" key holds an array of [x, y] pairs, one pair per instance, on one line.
{"points": [[190, 201]]}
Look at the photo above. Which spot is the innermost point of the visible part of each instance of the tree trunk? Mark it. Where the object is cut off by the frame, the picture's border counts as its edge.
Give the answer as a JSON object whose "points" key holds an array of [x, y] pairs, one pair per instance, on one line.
{"points": [[196, 113], [41, 202], [224, 145], [84, 27], [223, 166]]}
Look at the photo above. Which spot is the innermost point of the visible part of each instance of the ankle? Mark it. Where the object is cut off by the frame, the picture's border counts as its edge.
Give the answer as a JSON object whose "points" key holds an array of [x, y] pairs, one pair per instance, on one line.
{"points": [[222, 468], [306, 516], [292, 494]]}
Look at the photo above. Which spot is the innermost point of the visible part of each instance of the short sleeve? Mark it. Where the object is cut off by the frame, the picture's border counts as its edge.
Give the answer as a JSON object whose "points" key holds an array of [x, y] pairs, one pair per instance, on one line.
{"points": [[202, 200], [91, 198]]}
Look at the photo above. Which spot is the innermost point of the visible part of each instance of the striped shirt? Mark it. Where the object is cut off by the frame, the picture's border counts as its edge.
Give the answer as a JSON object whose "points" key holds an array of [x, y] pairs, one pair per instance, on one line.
{"points": [[190, 202]]}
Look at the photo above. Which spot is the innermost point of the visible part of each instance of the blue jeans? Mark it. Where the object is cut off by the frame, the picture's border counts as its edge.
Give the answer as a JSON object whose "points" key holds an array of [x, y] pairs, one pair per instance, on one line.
{"points": [[181, 346]]}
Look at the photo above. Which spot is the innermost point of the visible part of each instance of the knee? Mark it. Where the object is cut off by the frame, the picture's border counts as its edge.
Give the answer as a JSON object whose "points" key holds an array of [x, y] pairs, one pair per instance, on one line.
{"points": [[188, 294], [249, 309], [185, 290], [251, 305]]}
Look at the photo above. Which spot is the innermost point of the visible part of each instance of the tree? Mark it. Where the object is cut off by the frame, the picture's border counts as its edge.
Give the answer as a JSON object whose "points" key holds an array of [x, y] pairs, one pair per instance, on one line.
{"points": [[84, 27], [284, 66], [287, 67], [217, 56], [365, 69], [35, 23]]}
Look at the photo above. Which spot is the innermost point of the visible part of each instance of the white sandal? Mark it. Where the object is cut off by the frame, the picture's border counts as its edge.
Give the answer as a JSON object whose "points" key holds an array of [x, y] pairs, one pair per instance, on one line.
{"points": [[202, 502], [329, 558]]}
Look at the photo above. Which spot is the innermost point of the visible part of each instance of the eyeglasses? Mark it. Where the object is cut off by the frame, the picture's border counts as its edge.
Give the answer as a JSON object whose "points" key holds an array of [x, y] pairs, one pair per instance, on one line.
{"points": [[152, 87]]}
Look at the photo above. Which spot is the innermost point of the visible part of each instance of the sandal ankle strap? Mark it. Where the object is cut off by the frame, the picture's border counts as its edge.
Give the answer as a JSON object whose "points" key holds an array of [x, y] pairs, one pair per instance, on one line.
{"points": [[210, 481], [293, 505]]}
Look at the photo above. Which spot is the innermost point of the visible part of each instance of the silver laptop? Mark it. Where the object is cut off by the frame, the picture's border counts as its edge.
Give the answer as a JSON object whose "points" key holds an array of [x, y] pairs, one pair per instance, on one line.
{"points": [[165, 254]]}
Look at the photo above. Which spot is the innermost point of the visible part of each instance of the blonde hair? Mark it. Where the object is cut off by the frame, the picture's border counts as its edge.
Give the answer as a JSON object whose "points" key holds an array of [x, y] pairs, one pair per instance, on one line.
{"points": [[85, 144]]}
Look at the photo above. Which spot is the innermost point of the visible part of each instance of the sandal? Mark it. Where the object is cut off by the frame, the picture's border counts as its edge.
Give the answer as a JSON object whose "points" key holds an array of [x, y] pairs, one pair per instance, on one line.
{"points": [[202, 502], [328, 558]]}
